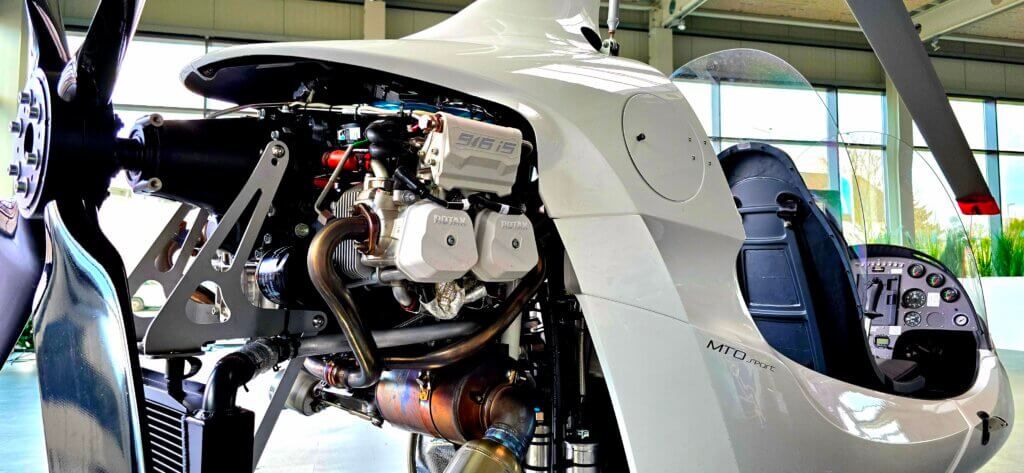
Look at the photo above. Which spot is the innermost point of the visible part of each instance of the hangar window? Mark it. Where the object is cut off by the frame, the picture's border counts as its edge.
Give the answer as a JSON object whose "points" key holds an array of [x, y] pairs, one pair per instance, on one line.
{"points": [[1010, 123]]}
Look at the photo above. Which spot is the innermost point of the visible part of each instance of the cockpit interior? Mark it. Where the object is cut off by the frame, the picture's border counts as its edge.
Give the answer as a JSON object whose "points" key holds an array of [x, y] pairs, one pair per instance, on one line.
{"points": [[893, 319]]}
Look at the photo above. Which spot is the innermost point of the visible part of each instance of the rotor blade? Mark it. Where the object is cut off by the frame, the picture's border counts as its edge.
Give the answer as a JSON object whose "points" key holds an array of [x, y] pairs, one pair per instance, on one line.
{"points": [[21, 257], [100, 56], [892, 35], [48, 34]]}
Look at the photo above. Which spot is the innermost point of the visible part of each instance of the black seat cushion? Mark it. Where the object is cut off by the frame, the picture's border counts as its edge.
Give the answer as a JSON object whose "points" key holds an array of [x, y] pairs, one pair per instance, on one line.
{"points": [[903, 375]]}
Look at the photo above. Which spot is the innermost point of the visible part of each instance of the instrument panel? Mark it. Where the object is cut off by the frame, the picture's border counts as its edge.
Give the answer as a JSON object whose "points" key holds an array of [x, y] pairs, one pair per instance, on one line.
{"points": [[903, 294]]}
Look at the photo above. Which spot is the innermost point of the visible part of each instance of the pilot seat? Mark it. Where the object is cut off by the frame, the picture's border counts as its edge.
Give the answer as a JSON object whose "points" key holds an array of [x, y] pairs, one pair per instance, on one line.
{"points": [[795, 272]]}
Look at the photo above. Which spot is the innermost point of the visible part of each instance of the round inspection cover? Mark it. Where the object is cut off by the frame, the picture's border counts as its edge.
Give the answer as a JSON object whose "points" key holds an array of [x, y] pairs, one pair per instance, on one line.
{"points": [[664, 146]]}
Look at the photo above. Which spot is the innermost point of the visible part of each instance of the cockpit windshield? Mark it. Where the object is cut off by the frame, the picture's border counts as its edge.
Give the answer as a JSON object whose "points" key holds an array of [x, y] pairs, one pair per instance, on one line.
{"points": [[880, 189], [856, 262]]}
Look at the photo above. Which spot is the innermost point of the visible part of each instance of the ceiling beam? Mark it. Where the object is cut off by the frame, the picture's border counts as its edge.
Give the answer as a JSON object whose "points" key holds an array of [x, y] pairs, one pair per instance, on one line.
{"points": [[673, 11], [721, 15], [955, 14]]}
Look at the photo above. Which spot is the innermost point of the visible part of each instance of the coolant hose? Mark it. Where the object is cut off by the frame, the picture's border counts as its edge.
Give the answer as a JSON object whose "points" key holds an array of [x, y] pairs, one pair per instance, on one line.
{"points": [[240, 367], [507, 313], [332, 288]]}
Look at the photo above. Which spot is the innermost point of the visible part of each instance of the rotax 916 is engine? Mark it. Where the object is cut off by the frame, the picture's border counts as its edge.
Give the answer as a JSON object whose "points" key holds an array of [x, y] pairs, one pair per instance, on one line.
{"points": [[415, 222]]}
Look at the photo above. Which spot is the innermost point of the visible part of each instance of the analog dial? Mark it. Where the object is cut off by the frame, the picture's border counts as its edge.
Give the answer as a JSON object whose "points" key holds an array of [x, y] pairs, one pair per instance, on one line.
{"points": [[916, 270], [960, 320], [950, 294], [912, 319], [914, 299], [935, 280]]}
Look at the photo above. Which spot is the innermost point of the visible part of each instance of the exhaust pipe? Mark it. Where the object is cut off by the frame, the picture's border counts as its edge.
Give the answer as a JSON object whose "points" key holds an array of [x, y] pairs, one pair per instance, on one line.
{"points": [[483, 408]]}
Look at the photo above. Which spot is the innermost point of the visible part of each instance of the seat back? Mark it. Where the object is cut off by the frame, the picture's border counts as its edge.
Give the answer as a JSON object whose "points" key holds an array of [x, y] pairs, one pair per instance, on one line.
{"points": [[794, 268]]}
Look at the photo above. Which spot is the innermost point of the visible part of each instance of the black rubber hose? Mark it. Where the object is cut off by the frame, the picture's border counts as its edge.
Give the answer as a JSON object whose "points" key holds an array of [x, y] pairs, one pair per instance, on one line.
{"points": [[240, 367]]}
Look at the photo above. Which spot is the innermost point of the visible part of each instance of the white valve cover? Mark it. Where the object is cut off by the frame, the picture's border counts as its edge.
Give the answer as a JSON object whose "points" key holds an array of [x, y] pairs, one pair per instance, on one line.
{"points": [[508, 249], [435, 244], [472, 155]]}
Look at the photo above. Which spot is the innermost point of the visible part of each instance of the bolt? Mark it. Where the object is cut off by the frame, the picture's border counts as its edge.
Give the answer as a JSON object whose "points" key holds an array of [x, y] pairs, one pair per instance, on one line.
{"points": [[21, 187], [16, 127], [515, 243], [267, 238], [32, 159], [641, 137], [14, 170], [408, 198], [34, 112], [25, 98], [451, 240], [277, 151], [275, 135], [319, 321], [302, 230]]}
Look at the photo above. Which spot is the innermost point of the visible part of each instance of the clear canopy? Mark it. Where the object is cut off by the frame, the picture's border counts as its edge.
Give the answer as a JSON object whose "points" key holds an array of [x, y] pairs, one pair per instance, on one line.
{"points": [[879, 189]]}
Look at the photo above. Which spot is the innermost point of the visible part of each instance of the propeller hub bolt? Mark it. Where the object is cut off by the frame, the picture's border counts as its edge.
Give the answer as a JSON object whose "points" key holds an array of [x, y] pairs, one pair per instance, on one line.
{"points": [[14, 170], [34, 112], [16, 127], [32, 159], [25, 98], [21, 187]]}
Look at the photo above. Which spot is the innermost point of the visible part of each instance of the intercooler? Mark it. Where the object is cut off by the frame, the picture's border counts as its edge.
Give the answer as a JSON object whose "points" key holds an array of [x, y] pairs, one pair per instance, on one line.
{"points": [[181, 439]]}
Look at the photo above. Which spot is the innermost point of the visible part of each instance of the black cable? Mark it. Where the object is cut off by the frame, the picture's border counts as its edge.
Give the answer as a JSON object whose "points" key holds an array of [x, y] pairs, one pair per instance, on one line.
{"points": [[423, 192], [504, 209]]}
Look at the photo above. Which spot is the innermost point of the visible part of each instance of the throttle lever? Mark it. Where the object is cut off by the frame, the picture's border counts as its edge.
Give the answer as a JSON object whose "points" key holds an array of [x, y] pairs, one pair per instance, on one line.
{"points": [[874, 294]]}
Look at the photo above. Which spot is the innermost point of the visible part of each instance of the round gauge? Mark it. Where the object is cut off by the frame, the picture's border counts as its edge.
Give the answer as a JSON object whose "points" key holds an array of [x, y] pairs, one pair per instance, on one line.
{"points": [[914, 299], [912, 319], [916, 270], [960, 320], [950, 294], [935, 280]]}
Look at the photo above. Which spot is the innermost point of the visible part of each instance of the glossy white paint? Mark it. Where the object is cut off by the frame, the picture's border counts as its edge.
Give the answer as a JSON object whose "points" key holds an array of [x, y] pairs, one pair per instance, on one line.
{"points": [[654, 263], [655, 129]]}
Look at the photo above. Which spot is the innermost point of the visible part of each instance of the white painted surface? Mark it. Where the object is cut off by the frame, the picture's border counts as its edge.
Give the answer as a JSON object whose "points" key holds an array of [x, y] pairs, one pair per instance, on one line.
{"points": [[657, 278], [1003, 298]]}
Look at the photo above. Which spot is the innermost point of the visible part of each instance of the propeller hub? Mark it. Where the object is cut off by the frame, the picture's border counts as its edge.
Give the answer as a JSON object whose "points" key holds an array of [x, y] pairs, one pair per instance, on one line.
{"points": [[31, 130], [61, 149]]}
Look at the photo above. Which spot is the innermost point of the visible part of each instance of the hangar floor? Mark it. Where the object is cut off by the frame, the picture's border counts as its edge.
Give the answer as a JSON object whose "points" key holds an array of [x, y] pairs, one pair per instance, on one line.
{"points": [[303, 445]]}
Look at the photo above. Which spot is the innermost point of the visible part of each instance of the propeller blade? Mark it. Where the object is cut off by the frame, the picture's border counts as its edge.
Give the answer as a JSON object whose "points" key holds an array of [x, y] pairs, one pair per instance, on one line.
{"points": [[893, 37], [21, 257], [100, 56], [90, 382], [48, 34]]}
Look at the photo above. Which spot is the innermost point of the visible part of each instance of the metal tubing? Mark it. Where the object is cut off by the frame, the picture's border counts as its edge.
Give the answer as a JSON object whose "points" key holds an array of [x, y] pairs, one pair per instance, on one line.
{"points": [[330, 344], [332, 288], [510, 310]]}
